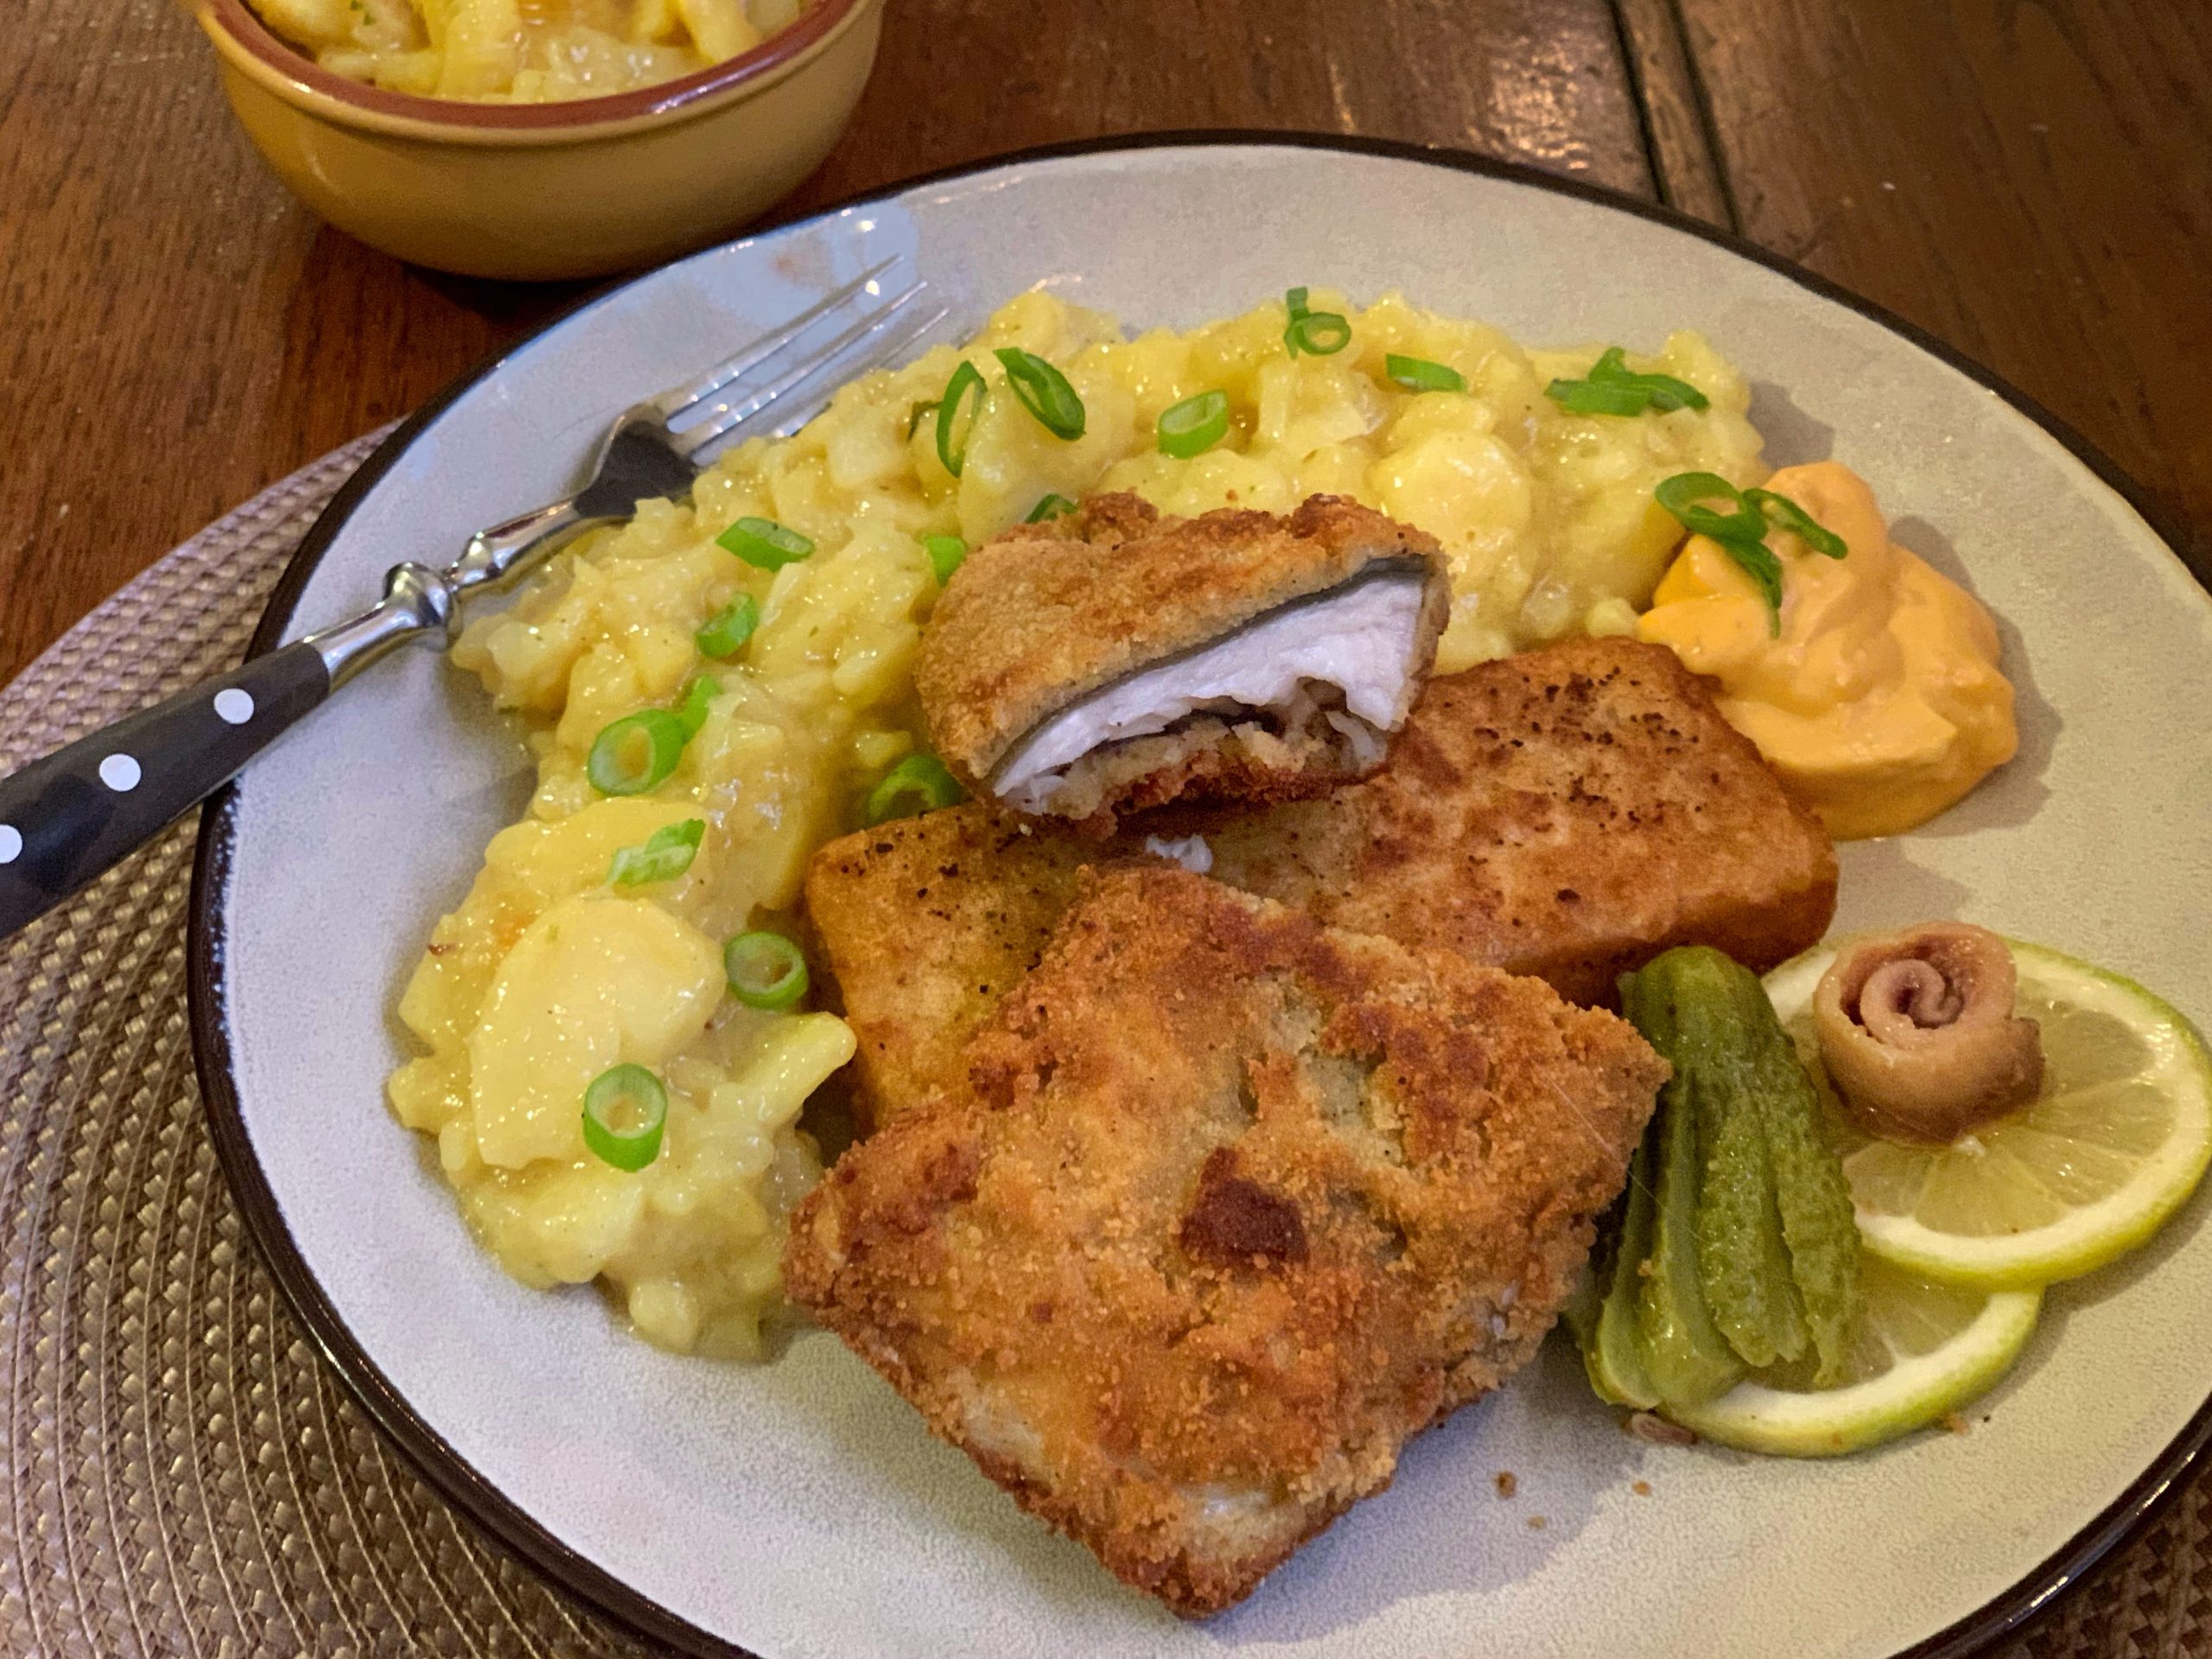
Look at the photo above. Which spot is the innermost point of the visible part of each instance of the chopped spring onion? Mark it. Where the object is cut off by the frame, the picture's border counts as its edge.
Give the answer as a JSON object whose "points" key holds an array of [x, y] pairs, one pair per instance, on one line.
{"points": [[1685, 493], [668, 853], [917, 415], [1317, 333], [1195, 425], [955, 416], [1597, 398], [1612, 388], [945, 554], [1045, 392], [698, 698], [625, 1114], [1760, 564], [1785, 514], [634, 754], [917, 784], [764, 970], [729, 629], [1049, 505], [1419, 374], [765, 543], [1740, 534]]}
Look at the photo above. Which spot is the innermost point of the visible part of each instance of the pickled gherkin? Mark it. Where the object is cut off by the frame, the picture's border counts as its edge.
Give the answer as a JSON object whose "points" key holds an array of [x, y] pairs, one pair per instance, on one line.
{"points": [[1685, 1357], [1609, 1337], [1742, 1252], [1743, 1261], [1809, 1184]]}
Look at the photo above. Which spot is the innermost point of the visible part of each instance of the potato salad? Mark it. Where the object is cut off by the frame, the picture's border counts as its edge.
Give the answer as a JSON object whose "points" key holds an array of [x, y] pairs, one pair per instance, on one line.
{"points": [[523, 51], [618, 1026]]}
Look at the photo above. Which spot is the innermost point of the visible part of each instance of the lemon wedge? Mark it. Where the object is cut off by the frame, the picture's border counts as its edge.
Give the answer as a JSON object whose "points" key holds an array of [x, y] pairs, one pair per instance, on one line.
{"points": [[1919, 1350], [2119, 1137]]}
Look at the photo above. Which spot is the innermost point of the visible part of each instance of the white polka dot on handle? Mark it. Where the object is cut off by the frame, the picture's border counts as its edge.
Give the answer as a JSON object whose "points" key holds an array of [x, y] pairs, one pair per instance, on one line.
{"points": [[120, 773], [234, 706], [11, 843]]}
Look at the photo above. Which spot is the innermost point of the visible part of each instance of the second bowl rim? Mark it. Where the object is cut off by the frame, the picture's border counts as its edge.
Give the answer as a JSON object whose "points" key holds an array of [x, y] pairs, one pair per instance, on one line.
{"points": [[290, 72]]}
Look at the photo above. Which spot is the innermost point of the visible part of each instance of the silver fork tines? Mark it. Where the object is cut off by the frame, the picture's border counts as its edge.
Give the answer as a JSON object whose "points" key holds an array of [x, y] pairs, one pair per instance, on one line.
{"points": [[644, 455], [860, 342], [673, 402]]}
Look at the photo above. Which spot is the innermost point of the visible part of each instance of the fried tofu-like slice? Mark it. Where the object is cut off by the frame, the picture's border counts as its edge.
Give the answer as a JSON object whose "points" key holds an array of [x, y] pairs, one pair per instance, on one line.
{"points": [[1113, 660], [1233, 1205], [1569, 812], [926, 923]]}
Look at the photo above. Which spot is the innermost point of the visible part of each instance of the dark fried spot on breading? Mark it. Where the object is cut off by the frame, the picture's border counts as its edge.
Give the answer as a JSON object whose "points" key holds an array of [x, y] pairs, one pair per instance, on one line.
{"points": [[1234, 1221]]}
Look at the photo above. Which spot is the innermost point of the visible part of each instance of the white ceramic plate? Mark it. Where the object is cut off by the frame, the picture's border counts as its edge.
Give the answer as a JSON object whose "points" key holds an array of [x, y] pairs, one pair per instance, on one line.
{"points": [[800, 1508]]}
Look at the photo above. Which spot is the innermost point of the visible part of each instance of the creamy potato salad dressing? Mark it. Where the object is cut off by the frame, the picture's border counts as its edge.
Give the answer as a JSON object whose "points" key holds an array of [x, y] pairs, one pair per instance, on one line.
{"points": [[523, 51], [550, 973]]}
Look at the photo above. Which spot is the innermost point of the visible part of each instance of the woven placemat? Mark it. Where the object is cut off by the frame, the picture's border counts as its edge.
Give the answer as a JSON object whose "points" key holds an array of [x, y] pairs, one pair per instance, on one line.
{"points": [[185, 1475]]}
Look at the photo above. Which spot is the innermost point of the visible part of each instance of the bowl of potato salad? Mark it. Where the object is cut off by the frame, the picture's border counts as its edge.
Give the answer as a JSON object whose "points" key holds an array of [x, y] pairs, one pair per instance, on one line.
{"points": [[542, 141]]}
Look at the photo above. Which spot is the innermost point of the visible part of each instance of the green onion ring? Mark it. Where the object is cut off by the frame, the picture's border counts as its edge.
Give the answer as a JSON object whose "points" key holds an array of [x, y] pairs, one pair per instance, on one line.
{"points": [[917, 784], [1419, 374], [1295, 302], [1762, 567], [916, 416], [1043, 391], [1785, 514], [945, 554], [625, 1114], [729, 629], [667, 853], [764, 970], [1597, 398], [698, 696], [764, 543], [608, 767], [1317, 333], [955, 416], [1614, 388], [1194, 426], [1683, 494], [1049, 505]]}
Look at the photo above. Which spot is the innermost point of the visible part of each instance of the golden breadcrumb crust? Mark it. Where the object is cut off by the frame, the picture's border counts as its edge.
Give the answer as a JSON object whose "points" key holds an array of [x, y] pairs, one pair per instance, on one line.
{"points": [[926, 923], [1048, 614], [1567, 813], [1232, 1205]]}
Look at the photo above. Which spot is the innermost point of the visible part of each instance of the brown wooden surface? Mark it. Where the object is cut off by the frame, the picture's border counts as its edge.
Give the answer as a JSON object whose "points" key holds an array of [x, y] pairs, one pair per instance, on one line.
{"points": [[2030, 179]]}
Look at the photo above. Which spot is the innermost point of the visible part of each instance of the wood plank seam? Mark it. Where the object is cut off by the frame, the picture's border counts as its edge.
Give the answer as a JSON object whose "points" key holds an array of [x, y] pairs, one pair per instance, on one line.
{"points": [[1681, 138]]}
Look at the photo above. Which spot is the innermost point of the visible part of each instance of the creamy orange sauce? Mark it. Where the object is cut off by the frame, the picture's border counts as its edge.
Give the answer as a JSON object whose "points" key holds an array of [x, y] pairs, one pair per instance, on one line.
{"points": [[1880, 702]]}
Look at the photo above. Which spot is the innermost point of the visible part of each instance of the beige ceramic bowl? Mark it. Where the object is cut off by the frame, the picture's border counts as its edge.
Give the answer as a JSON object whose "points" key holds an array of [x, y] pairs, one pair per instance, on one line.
{"points": [[540, 191]]}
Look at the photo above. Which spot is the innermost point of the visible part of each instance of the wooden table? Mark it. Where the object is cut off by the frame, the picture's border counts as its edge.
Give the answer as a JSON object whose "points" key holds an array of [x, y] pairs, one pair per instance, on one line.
{"points": [[2031, 180]]}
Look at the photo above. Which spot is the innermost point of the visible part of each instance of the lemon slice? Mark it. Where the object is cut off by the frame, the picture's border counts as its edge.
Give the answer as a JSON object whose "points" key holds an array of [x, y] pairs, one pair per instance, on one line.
{"points": [[1919, 1351], [2119, 1137]]}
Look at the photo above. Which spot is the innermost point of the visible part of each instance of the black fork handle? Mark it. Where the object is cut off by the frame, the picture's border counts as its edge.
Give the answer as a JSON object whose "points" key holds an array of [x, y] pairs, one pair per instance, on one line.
{"points": [[71, 816]]}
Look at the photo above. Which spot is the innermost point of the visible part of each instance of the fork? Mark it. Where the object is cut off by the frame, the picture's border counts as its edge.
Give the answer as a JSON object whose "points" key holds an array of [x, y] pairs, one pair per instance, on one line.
{"points": [[68, 817]]}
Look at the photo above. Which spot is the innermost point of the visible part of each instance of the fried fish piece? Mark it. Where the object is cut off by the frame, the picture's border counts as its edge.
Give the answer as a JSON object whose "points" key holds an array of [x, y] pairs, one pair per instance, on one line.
{"points": [[1569, 812], [926, 923], [1101, 664], [1232, 1205]]}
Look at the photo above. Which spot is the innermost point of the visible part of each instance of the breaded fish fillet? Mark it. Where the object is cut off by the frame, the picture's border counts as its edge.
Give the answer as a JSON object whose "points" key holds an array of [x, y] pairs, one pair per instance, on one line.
{"points": [[926, 923], [1568, 813], [1235, 1204], [1109, 661]]}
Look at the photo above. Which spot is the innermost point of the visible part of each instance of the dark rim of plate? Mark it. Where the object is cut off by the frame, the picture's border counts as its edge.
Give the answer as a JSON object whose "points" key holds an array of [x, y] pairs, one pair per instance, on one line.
{"points": [[466, 1487]]}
